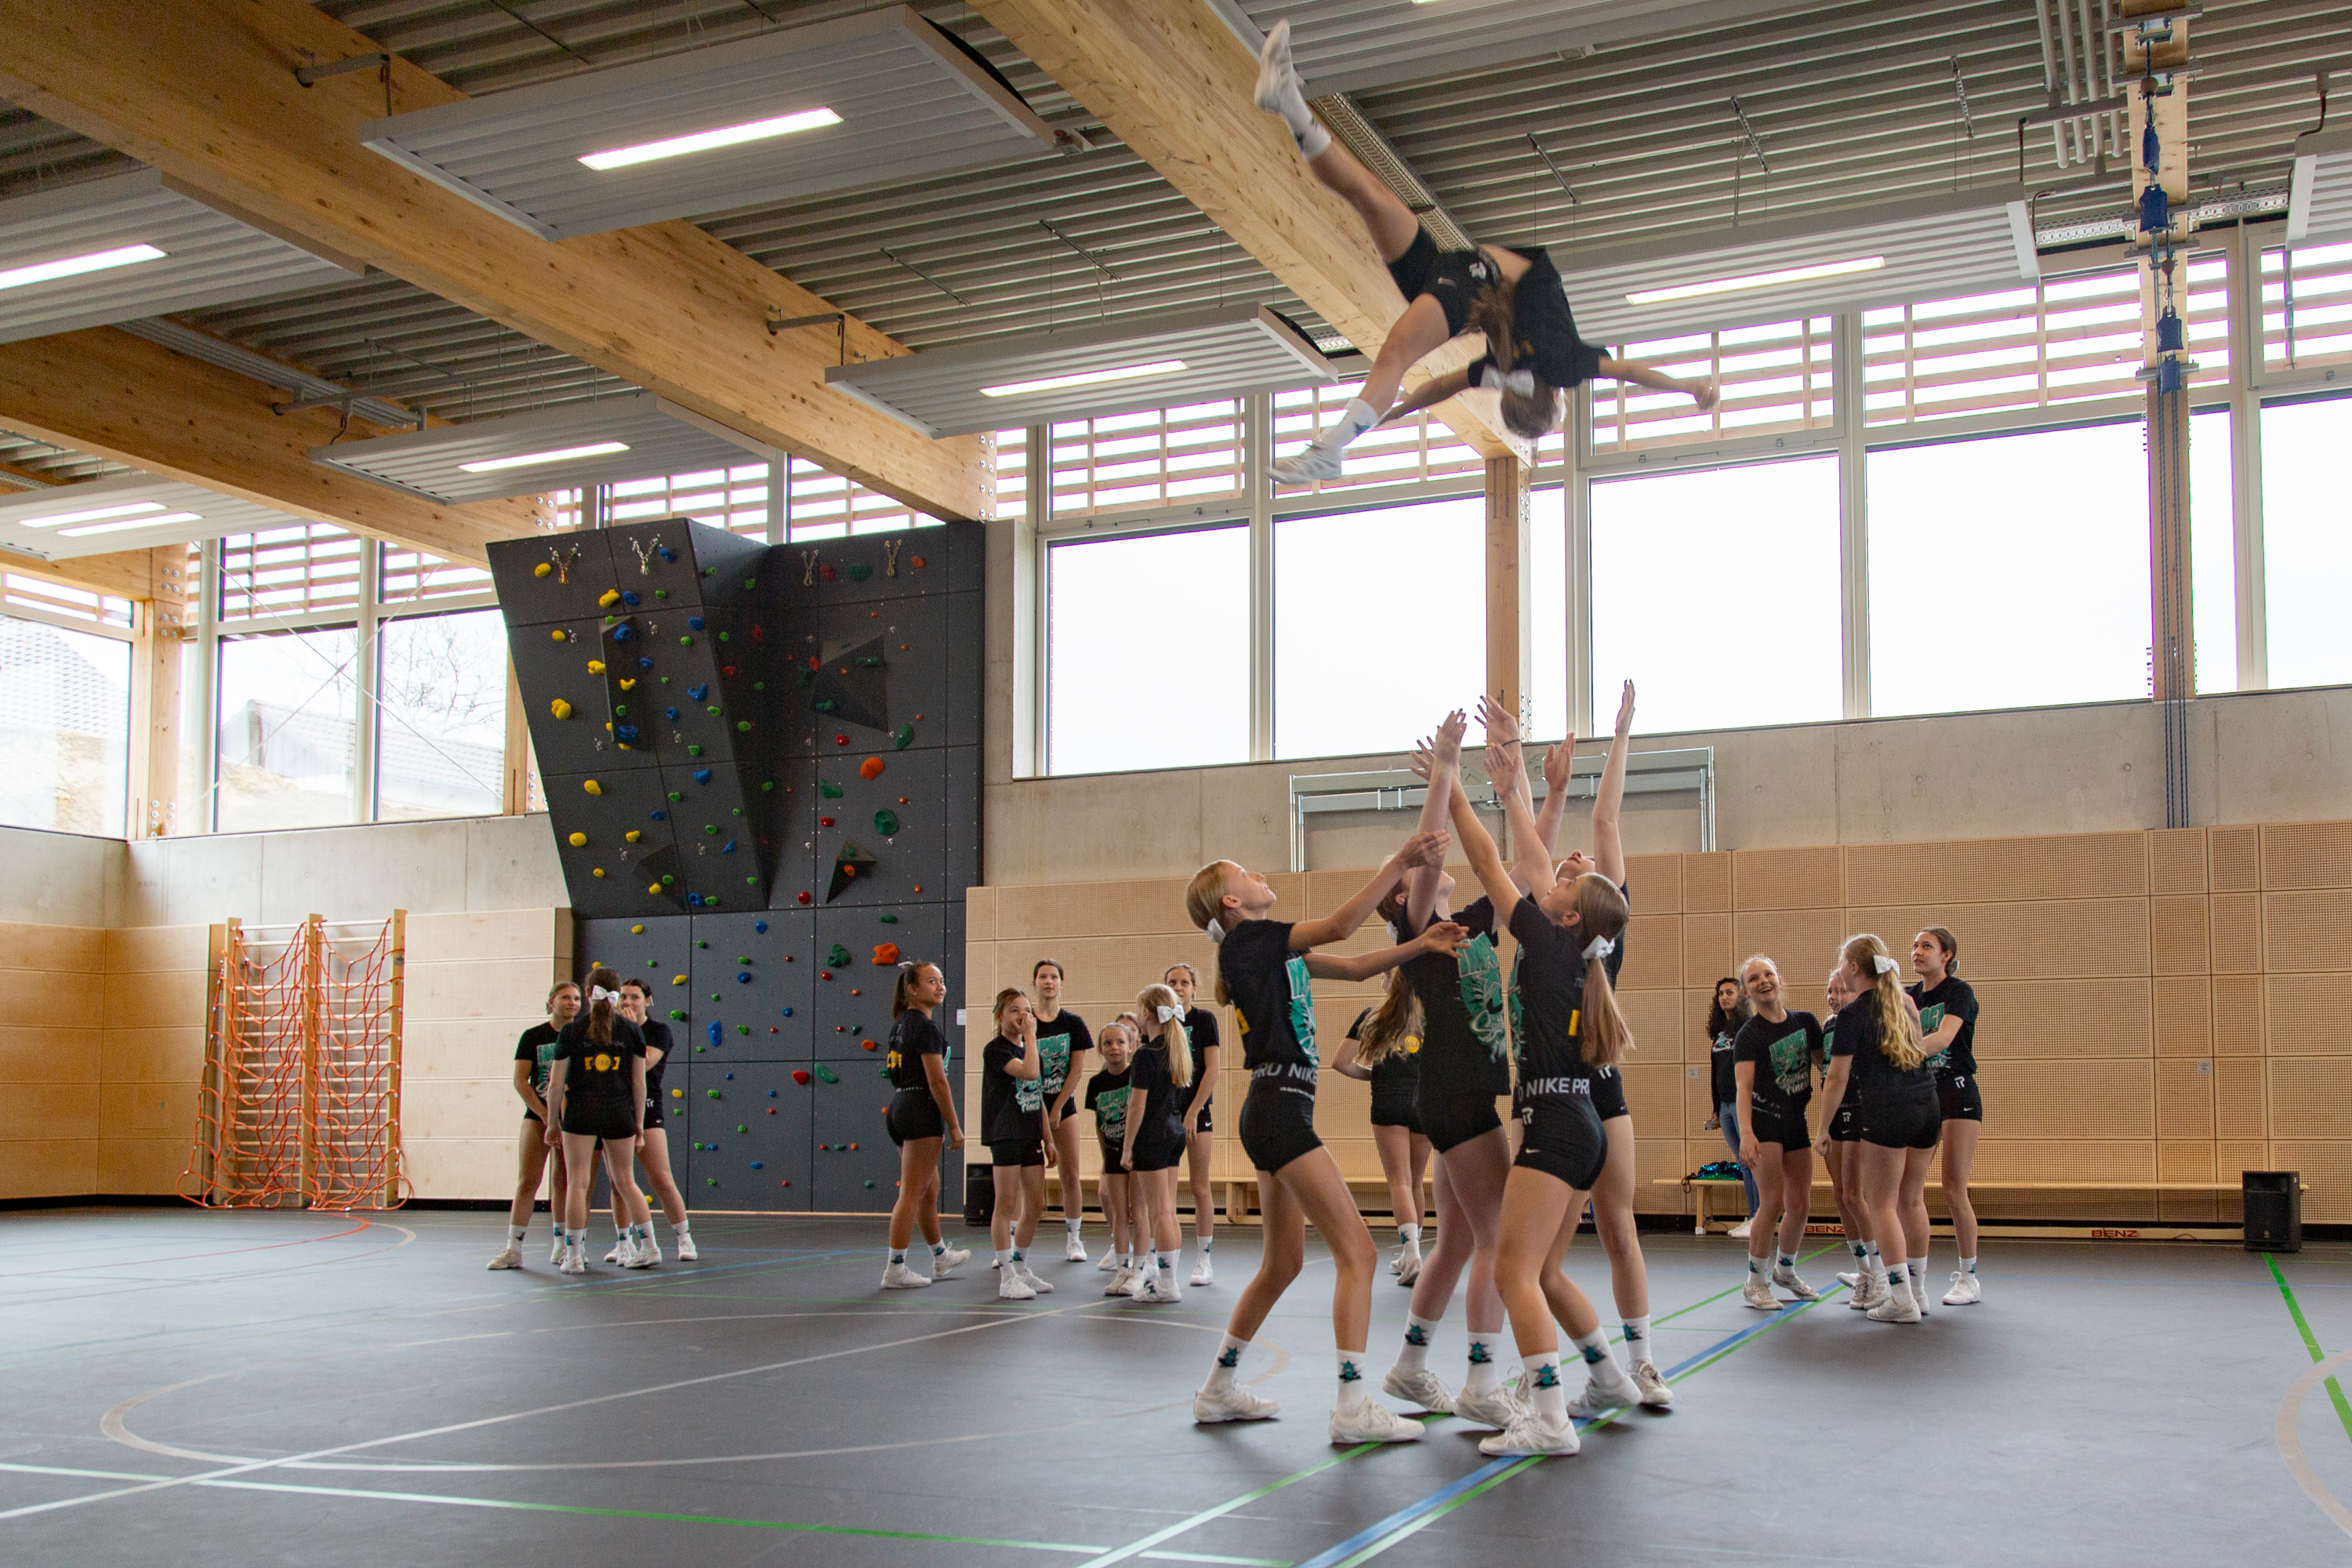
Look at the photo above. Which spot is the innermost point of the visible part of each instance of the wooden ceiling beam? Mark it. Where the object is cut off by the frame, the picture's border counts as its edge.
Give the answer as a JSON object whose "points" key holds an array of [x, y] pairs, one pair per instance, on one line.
{"points": [[1169, 80], [114, 395], [204, 90]]}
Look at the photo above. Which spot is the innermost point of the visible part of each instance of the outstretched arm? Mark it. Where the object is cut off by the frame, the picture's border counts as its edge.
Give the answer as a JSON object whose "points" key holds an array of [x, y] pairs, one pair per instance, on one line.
{"points": [[1445, 767], [1443, 937], [1559, 758], [1530, 855], [1429, 394], [1421, 849], [1486, 860], [1642, 374], [1608, 849]]}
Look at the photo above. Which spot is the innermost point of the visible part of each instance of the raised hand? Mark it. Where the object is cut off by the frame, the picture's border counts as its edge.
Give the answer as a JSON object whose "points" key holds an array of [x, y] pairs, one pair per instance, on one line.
{"points": [[1503, 765], [1447, 746], [1443, 937], [1708, 393], [1625, 711], [1559, 758], [1423, 760], [1424, 850], [1502, 725]]}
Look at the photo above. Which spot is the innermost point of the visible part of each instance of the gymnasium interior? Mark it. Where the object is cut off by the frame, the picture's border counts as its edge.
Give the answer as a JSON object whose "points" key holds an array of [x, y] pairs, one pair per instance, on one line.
{"points": [[755, 493]]}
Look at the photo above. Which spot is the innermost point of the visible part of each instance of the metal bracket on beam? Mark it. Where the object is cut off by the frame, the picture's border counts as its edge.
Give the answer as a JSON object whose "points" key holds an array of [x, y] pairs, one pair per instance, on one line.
{"points": [[312, 76], [780, 322]]}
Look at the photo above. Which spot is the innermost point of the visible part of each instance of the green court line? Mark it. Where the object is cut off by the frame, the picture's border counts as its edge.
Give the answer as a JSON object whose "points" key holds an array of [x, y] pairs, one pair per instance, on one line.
{"points": [[1143, 1548], [2311, 1343]]}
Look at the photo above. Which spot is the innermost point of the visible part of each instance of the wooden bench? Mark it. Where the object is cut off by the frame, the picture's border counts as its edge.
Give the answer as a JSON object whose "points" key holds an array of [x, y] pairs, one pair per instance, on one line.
{"points": [[1702, 1190]]}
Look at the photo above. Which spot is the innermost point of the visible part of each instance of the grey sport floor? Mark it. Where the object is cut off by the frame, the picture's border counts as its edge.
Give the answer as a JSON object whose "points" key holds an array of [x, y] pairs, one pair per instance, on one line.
{"points": [[197, 1388]]}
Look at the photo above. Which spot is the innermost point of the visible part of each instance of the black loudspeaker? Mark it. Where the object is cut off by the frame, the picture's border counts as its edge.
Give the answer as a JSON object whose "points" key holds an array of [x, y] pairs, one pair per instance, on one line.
{"points": [[2274, 1202], [980, 1194]]}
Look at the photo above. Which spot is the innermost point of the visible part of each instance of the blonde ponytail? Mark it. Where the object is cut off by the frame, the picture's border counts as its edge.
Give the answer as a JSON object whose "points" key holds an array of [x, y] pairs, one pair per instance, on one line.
{"points": [[1204, 901], [1601, 911], [1152, 1001], [1397, 1019], [1898, 1037]]}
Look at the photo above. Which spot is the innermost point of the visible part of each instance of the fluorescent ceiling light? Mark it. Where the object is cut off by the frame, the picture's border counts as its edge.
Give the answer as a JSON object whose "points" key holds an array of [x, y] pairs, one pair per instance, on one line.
{"points": [[92, 514], [561, 454], [1757, 281], [1084, 378], [74, 265], [703, 141], [133, 523]]}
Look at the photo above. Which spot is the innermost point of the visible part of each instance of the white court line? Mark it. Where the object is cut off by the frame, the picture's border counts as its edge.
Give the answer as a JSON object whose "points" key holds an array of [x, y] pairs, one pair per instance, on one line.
{"points": [[2290, 1442]]}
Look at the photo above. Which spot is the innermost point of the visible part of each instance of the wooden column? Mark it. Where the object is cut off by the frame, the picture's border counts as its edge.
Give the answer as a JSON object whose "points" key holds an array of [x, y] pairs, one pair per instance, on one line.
{"points": [[516, 791], [152, 795], [1507, 588]]}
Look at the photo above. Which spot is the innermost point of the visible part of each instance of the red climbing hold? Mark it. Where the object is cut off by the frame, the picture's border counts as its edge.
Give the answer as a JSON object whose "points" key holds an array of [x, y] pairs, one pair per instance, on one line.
{"points": [[841, 740], [824, 822], [869, 1046], [804, 897], [800, 1075]]}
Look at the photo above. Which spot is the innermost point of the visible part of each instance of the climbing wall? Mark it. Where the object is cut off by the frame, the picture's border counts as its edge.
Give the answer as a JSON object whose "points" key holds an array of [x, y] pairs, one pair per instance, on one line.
{"points": [[856, 665]]}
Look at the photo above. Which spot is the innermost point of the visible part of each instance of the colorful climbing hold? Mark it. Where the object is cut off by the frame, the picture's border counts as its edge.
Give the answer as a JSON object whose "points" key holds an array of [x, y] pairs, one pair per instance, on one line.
{"points": [[860, 571], [595, 666], [632, 836], [677, 1015], [788, 1012], [560, 708], [694, 623], [889, 920], [903, 736], [542, 569], [824, 822], [727, 848], [870, 769], [838, 957], [885, 954], [592, 786], [596, 870], [608, 598], [702, 776], [760, 926], [578, 840], [636, 931], [886, 822], [559, 635], [826, 1073], [800, 1076], [830, 791], [677, 980], [803, 898], [697, 691]]}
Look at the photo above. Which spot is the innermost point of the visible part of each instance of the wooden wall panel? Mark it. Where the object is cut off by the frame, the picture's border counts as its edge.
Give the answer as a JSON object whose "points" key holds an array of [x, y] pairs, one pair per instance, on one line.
{"points": [[2241, 1097], [1803, 943], [2072, 1098], [2054, 940], [2184, 1018], [1653, 953], [1654, 1094], [48, 1167], [1656, 1160], [2065, 1160], [54, 950], [1656, 1019], [2238, 1015], [1657, 882], [1098, 909], [1691, 1011], [2038, 1018], [2175, 860], [34, 1112], [2236, 922], [980, 914], [2307, 931], [1706, 948], [2073, 866], [2309, 1097], [2184, 1099], [1788, 879], [2308, 854], [2310, 1015], [1706, 883], [2326, 1167], [2177, 939], [31, 1054]]}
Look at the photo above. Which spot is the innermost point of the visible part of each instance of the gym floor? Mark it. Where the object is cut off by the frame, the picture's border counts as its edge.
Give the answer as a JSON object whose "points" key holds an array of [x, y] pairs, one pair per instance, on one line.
{"points": [[194, 1388]]}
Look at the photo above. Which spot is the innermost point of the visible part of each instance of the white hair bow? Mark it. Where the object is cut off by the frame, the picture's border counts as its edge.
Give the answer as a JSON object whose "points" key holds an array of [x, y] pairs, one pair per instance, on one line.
{"points": [[1216, 931], [1496, 379], [1882, 964], [1170, 1015], [1598, 947], [598, 994]]}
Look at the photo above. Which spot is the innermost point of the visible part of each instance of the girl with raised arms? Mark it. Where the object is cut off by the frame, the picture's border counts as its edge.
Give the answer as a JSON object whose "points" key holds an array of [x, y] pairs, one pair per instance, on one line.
{"points": [[922, 1119], [1773, 1084], [1877, 1044], [1393, 1072], [1264, 970]]}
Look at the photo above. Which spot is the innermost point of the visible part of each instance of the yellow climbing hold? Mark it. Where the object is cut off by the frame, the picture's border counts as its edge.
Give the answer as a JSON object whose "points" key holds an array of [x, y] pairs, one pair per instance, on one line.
{"points": [[633, 835], [560, 708], [655, 887], [592, 786], [677, 980], [558, 633], [579, 841], [595, 666], [542, 569], [627, 681], [608, 598], [636, 931], [598, 871]]}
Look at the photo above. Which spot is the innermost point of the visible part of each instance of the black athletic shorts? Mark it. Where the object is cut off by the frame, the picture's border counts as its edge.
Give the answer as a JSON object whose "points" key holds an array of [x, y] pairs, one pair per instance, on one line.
{"points": [[1159, 1152], [654, 1118], [1845, 1127], [1277, 1121], [1012, 1151], [1562, 1138], [529, 1115], [1609, 1094], [1451, 278], [1452, 1117], [1910, 1123], [913, 1114], [613, 1121], [1397, 1109], [1111, 1167], [1960, 1098], [1789, 1132], [1202, 1123]]}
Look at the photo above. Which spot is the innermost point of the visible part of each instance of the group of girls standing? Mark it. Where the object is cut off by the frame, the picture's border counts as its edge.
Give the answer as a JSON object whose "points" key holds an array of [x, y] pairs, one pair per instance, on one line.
{"points": [[591, 1080], [1505, 1217], [1898, 1066]]}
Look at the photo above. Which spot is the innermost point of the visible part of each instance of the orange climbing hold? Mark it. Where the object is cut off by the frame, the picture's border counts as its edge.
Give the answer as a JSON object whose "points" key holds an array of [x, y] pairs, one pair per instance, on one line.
{"points": [[870, 769], [885, 954]]}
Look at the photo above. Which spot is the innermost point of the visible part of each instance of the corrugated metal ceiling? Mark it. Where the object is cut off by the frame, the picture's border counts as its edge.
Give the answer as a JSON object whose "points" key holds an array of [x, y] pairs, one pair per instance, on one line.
{"points": [[1848, 103]]}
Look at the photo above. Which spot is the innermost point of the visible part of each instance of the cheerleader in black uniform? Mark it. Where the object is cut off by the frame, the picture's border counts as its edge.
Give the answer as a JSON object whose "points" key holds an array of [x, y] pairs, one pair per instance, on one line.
{"points": [[1841, 1132], [596, 1091], [1773, 1079], [1201, 1132], [1947, 1020], [653, 1143], [534, 1053], [1877, 1044], [1395, 1077], [1160, 1097], [1062, 1043], [922, 1119], [1013, 1115]]}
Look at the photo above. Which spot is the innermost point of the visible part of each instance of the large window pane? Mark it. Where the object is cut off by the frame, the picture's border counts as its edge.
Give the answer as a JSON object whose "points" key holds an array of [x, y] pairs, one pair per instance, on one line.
{"points": [[2212, 552], [1380, 626], [65, 714], [2306, 540], [2010, 572], [1716, 593], [1147, 651], [441, 733], [1547, 570], [286, 709]]}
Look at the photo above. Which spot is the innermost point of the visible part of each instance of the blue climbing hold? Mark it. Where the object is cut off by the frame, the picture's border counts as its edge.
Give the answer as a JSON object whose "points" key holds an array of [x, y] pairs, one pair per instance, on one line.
{"points": [[694, 623], [655, 816], [731, 1078], [694, 901], [702, 776], [727, 848], [644, 663], [667, 553], [771, 1094], [628, 596], [622, 634], [744, 978], [788, 1012], [625, 733], [757, 1166], [760, 926], [714, 1033], [696, 692], [670, 714]]}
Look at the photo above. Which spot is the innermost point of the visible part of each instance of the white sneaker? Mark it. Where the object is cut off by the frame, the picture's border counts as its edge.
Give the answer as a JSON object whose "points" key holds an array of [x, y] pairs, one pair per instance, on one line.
{"points": [[1531, 1434], [1010, 1287], [1372, 1422], [1275, 70], [1109, 1264], [1892, 1310], [1868, 1294], [1035, 1284], [1852, 1280], [1123, 1283], [1606, 1388], [573, 1263], [555, 1253], [1205, 1272], [1314, 463], [945, 1263], [898, 1277], [1742, 1228], [686, 1253], [1919, 1294], [511, 1258], [1652, 1384], [1424, 1388], [1409, 1268], [1159, 1289], [1495, 1408], [614, 1256], [1965, 1291], [648, 1252], [1074, 1250], [1794, 1284], [1234, 1404], [1757, 1294]]}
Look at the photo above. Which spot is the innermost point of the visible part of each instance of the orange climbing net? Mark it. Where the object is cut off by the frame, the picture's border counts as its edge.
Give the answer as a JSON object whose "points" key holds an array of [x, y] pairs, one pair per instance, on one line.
{"points": [[301, 1100]]}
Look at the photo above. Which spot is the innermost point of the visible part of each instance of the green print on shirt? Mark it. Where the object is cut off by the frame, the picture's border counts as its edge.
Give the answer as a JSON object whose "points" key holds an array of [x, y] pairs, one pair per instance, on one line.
{"points": [[1111, 1114], [1930, 1020], [1791, 1063], [1492, 1011], [545, 1053], [1029, 1093], [1053, 1064], [1302, 1007], [1829, 1037]]}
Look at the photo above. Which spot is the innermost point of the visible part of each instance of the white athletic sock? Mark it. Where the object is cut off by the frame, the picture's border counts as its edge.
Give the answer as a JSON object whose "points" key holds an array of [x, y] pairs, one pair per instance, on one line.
{"points": [[1072, 1225], [1411, 1236], [1637, 1342], [1756, 1265], [514, 1233], [681, 1227], [1354, 420], [1968, 1264], [897, 1257], [1898, 1286], [1861, 1251], [1204, 1243], [1167, 1261], [1420, 1333], [1486, 1374], [1352, 1386], [1280, 92], [1918, 1277], [1594, 1347], [1788, 1264], [938, 1248], [1230, 1351], [1002, 1254], [1540, 1378], [1874, 1262]]}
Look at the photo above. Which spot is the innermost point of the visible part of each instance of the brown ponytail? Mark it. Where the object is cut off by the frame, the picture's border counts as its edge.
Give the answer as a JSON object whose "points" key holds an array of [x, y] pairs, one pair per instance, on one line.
{"points": [[908, 974], [1204, 901], [599, 1013], [1601, 911], [1386, 1029], [1494, 312]]}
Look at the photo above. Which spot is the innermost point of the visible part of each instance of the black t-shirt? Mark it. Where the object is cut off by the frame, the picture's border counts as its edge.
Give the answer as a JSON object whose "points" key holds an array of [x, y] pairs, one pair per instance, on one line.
{"points": [[1955, 998], [597, 1076], [536, 1047], [1274, 1000], [913, 1037], [1009, 1107], [1396, 1077], [1201, 1027], [1165, 1101], [1107, 1094], [1552, 991], [1721, 1081], [1466, 1035], [1061, 1041], [1545, 328], [1612, 964], [657, 1038], [1874, 1073], [1782, 1054]]}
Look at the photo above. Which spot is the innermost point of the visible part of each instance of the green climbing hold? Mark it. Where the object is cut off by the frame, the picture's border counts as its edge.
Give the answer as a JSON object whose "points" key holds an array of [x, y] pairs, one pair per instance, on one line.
{"points": [[620, 709], [766, 785], [675, 796], [827, 1074], [869, 1186], [710, 570], [691, 750], [740, 1127], [738, 810], [759, 686], [709, 1181], [830, 791], [743, 724], [902, 737], [751, 582], [711, 1093], [722, 636], [826, 705], [838, 957], [661, 592], [859, 572], [714, 708], [685, 642], [669, 881], [702, 944], [742, 960], [710, 828], [889, 920], [678, 1014], [869, 661], [886, 822]]}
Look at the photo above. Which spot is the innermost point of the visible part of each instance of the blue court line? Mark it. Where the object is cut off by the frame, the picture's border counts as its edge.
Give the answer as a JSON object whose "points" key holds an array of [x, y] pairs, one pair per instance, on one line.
{"points": [[1495, 1470]]}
